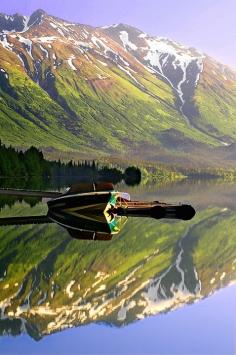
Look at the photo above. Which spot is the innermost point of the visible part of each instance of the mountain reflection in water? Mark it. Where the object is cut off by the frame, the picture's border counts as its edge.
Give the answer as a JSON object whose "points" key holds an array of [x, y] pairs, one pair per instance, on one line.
{"points": [[49, 281]]}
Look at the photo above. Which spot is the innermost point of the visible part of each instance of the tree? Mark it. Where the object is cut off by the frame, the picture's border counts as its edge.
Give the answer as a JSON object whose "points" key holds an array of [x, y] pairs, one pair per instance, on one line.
{"points": [[132, 176]]}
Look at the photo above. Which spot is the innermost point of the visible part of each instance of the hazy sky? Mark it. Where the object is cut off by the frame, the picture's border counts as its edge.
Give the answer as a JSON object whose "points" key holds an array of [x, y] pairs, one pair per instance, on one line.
{"points": [[208, 25]]}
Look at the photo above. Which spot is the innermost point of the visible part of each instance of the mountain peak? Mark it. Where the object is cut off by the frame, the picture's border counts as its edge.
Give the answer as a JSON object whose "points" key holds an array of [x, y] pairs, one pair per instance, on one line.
{"points": [[18, 22], [121, 27], [36, 17], [39, 12], [12, 23]]}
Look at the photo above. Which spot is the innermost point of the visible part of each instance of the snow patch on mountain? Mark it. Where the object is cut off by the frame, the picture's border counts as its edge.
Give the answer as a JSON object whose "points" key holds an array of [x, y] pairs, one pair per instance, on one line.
{"points": [[99, 43], [6, 76], [19, 24], [37, 70], [71, 63], [9, 28], [5, 271], [53, 25], [42, 299], [44, 50], [8, 17], [143, 35], [124, 309], [68, 289], [104, 64], [54, 61], [25, 23], [46, 39], [124, 36], [60, 32], [100, 288], [178, 65], [165, 56], [126, 71], [27, 44], [161, 297], [110, 26], [4, 42], [225, 144], [160, 53], [83, 45]]}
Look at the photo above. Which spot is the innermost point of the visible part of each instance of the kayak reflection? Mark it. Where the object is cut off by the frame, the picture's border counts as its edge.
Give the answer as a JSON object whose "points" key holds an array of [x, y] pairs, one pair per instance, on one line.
{"points": [[95, 211]]}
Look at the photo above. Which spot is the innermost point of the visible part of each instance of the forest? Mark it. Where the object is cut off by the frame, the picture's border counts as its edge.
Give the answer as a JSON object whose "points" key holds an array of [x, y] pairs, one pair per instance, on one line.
{"points": [[32, 165]]}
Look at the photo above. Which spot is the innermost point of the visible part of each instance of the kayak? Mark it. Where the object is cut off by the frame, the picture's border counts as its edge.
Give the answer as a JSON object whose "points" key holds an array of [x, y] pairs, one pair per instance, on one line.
{"points": [[95, 211]]}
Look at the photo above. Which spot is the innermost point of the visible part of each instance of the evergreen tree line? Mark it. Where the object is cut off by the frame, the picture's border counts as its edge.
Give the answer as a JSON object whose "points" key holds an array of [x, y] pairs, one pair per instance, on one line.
{"points": [[23, 164], [32, 163]]}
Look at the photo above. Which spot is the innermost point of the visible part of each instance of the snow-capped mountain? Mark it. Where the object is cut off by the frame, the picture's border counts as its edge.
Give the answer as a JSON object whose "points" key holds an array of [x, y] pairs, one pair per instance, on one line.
{"points": [[85, 85], [179, 66]]}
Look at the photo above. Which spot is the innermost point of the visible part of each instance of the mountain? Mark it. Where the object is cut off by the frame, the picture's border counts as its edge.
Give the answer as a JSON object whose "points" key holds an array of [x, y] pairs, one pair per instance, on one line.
{"points": [[50, 282], [112, 91], [19, 23]]}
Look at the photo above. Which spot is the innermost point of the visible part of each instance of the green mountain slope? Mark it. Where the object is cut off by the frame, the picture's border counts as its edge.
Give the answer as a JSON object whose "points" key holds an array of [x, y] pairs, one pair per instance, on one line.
{"points": [[111, 91], [215, 99]]}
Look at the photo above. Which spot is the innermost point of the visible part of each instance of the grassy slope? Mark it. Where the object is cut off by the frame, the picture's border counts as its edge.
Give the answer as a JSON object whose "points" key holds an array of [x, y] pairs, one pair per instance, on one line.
{"points": [[126, 111], [216, 252], [29, 116], [215, 98], [108, 114]]}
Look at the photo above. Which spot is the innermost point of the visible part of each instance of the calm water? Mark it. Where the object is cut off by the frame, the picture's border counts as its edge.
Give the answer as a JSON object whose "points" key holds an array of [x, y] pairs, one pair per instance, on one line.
{"points": [[160, 287]]}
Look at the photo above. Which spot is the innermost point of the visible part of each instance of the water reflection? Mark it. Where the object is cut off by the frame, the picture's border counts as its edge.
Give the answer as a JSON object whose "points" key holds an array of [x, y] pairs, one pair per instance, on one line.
{"points": [[49, 281], [94, 211]]}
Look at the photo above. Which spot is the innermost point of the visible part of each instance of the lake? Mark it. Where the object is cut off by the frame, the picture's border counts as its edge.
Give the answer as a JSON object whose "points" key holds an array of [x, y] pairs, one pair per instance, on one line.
{"points": [[158, 287]]}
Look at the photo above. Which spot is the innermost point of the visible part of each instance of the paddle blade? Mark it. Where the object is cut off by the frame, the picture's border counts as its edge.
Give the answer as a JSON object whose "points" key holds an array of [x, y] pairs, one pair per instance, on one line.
{"points": [[184, 212]]}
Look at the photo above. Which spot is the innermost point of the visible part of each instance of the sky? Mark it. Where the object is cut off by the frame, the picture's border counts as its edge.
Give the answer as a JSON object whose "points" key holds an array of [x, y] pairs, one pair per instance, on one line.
{"points": [[207, 327], [208, 25]]}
